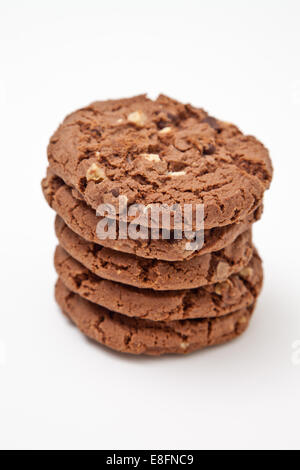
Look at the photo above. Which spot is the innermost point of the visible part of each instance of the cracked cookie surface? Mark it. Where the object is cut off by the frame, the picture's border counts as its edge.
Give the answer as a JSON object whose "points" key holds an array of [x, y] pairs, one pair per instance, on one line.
{"points": [[238, 291], [83, 221], [162, 152], [139, 336], [156, 274]]}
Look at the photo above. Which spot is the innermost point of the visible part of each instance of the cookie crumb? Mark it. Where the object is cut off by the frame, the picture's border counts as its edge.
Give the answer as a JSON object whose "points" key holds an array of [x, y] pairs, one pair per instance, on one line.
{"points": [[146, 209], [138, 118], [152, 157], [189, 247], [95, 173]]}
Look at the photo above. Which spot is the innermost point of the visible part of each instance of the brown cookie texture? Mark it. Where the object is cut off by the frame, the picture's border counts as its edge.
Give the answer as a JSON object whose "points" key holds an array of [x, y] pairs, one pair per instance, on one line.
{"points": [[83, 221], [237, 292], [140, 336], [156, 274], [161, 152]]}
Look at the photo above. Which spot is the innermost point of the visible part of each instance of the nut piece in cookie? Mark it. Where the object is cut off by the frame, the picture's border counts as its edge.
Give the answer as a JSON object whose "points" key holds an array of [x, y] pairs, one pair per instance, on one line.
{"points": [[95, 173], [218, 289], [222, 270], [222, 287], [243, 320], [246, 273]]}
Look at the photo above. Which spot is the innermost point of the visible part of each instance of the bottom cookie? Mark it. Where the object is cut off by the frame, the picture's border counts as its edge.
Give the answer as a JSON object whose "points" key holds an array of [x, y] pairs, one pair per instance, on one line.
{"points": [[138, 336]]}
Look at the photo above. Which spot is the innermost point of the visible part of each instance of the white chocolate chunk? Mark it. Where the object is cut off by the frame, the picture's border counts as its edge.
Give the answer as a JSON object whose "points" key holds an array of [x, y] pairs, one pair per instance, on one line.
{"points": [[165, 130], [151, 157], [138, 118], [176, 173]]}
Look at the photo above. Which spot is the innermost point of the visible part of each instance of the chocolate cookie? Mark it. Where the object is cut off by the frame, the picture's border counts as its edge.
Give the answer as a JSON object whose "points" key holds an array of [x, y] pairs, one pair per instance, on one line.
{"points": [[83, 221], [237, 292], [162, 152], [156, 274], [139, 336]]}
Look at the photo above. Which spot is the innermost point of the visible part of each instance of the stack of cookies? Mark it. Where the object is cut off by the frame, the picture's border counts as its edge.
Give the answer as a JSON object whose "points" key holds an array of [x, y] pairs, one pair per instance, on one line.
{"points": [[156, 295]]}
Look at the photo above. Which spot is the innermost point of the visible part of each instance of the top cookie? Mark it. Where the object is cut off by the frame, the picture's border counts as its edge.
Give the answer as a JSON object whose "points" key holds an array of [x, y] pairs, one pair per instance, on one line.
{"points": [[163, 152]]}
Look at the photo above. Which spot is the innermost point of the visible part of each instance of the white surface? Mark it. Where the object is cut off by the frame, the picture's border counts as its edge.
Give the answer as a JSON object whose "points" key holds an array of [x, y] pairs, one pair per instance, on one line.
{"points": [[239, 60]]}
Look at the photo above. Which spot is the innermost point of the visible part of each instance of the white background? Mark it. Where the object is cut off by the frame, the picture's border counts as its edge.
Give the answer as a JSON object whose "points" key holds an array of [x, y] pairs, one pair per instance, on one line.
{"points": [[240, 61]]}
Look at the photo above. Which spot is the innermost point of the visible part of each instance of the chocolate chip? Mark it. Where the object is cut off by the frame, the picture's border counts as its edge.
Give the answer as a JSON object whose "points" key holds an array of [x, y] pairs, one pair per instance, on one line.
{"points": [[115, 192], [209, 150], [173, 118], [212, 122], [97, 131], [161, 124], [82, 184]]}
